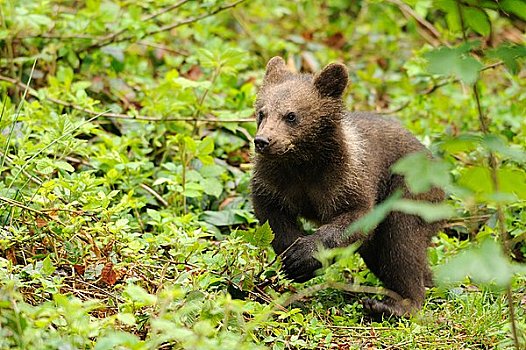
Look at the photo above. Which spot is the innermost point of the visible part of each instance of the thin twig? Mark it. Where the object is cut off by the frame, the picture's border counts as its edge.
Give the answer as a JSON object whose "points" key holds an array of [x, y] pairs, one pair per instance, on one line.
{"points": [[504, 235], [155, 194], [409, 12], [111, 39], [9, 161], [194, 19], [14, 203]]}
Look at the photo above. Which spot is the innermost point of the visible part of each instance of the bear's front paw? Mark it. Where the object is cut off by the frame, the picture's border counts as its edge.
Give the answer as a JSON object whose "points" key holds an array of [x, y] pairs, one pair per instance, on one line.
{"points": [[298, 260]]}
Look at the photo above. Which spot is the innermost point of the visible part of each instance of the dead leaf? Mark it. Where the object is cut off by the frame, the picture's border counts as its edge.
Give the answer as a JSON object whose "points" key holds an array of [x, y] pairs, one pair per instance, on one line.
{"points": [[336, 41], [194, 73], [108, 275], [41, 222], [79, 269], [11, 256]]}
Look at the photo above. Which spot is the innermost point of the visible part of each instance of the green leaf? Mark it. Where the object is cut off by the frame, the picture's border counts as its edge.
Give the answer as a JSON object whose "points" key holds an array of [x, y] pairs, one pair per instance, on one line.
{"points": [[47, 266], [477, 19], [517, 7], [126, 318], [64, 166], [205, 146], [118, 340], [512, 182], [184, 83], [227, 217], [44, 166], [139, 295], [422, 173], [428, 211], [484, 264], [456, 62], [499, 145], [460, 143], [450, 7], [154, 214], [212, 186], [262, 237], [193, 190], [375, 217], [509, 55]]}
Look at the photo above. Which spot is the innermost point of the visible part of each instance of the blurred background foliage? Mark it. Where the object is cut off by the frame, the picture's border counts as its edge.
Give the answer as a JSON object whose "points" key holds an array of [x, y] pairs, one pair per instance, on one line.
{"points": [[125, 145]]}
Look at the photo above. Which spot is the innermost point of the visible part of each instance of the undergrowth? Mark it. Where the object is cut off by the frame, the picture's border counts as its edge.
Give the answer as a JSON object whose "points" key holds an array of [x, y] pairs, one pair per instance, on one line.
{"points": [[125, 146]]}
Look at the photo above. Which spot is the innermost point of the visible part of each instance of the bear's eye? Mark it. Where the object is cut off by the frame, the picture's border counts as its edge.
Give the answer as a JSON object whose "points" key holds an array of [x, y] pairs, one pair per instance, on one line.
{"points": [[290, 117], [260, 116]]}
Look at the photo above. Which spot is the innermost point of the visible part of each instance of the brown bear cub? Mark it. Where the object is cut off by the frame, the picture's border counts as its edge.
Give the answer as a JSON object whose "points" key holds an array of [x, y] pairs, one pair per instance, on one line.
{"points": [[316, 160]]}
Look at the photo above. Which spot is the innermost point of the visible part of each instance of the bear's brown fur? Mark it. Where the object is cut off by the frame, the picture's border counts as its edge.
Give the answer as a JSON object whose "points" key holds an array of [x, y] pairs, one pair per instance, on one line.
{"points": [[318, 161]]}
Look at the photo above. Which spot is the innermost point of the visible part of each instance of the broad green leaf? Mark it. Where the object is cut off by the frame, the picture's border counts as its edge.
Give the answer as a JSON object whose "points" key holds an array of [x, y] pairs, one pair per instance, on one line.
{"points": [[184, 83], [118, 340], [212, 170], [227, 217], [212, 186], [450, 7], [512, 182], [484, 264], [139, 295], [126, 318], [193, 189], [460, 143], [47, 266], [44, 166], [456, 62], [422, 173], [369, 222], [205, 146], [154, 214], [509, 55], [64, 166], [517, 7], [428, 211], [499, 145], [477, 19]]}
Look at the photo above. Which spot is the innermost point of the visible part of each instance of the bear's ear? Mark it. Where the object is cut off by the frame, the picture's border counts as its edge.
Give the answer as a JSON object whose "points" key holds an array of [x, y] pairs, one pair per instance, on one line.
{"points": [[276, 71], [332, 80]]}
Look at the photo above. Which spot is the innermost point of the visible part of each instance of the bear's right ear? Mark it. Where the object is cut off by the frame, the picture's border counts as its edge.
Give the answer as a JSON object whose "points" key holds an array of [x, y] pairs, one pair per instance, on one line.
{"points": [[276, 71], [332, 80]]}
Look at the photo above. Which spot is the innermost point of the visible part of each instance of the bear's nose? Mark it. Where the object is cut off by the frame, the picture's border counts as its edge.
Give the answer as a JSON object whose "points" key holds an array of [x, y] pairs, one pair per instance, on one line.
{"points": [[261, 143]]}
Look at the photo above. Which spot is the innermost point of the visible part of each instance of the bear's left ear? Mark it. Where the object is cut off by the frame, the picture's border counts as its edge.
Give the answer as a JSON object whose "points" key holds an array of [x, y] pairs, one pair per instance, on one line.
{"points": [[332, 80]]}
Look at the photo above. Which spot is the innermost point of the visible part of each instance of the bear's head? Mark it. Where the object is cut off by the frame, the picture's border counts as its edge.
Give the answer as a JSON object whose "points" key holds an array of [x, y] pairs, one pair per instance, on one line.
{"points": [[297, 113]]}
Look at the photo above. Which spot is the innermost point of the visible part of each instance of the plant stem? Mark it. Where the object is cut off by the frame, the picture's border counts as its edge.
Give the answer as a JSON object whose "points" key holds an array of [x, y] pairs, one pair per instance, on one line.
{"points": [[494, 167], [503, 233]]}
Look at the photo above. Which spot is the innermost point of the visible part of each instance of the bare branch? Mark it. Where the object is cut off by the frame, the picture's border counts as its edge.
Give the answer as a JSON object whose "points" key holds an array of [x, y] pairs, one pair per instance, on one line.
{"points": [[155, 194], [431, 34], [113, 38], [195, 19]]}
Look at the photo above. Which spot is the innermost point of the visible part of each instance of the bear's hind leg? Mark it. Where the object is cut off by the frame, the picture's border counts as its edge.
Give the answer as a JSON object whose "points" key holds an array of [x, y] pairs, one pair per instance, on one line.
{"points": [[397, 254]]}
